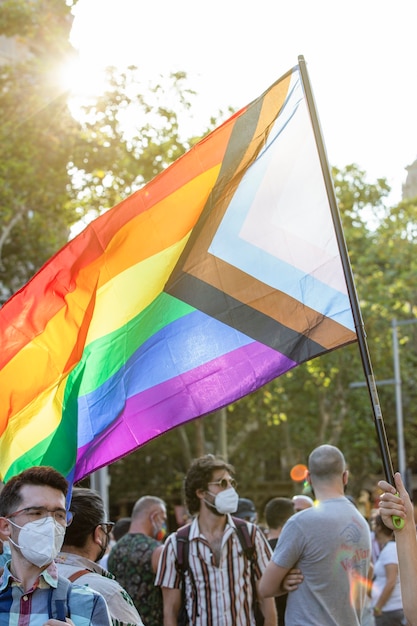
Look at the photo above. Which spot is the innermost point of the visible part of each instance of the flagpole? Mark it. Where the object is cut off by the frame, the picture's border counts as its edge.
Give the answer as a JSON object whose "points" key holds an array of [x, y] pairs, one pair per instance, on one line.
{"points": [[357, 316]]}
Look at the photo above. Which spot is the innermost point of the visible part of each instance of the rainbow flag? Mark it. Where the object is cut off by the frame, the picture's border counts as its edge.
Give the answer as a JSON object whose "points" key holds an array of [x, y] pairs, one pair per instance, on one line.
{"points": [[218, 276]]}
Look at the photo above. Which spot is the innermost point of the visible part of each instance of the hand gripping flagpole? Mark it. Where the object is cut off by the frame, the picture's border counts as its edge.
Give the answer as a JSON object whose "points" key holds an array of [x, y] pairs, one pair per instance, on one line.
{"points": [[357, 316]]}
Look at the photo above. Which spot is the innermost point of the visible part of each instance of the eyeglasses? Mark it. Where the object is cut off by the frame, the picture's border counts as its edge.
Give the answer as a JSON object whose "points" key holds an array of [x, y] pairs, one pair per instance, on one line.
{"points": [[224, 483], [41, 512], [107, 527]]}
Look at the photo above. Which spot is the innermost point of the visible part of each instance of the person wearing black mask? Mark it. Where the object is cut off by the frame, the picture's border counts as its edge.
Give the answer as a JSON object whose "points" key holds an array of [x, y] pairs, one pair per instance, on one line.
{"points": [[85, 543]]}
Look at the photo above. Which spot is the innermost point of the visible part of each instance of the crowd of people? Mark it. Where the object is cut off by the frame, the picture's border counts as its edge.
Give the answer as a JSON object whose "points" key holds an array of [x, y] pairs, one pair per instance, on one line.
{"points": [[316, 560]]}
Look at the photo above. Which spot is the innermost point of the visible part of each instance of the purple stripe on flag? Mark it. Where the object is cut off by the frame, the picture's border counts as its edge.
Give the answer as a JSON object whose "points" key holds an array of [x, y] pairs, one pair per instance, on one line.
{"points": [[181, 399]]}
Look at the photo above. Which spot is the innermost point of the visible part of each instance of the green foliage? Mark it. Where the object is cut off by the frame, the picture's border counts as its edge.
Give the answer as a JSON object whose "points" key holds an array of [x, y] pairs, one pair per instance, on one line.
{"points": [[55, 169], [37, 138], [15, 17], [129, 137]]}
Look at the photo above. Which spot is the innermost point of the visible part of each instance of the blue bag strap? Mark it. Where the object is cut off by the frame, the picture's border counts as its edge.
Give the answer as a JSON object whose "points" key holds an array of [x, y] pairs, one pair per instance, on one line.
{"points": [[58, 600]]}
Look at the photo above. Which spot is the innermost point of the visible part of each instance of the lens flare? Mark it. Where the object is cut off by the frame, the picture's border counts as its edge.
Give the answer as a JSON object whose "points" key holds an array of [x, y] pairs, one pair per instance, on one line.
{"points": [[298, 473]]}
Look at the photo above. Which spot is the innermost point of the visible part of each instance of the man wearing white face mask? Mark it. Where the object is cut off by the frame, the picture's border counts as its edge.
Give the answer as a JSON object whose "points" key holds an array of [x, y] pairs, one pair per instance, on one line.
{"points": [[33, 518], [218, 583]]}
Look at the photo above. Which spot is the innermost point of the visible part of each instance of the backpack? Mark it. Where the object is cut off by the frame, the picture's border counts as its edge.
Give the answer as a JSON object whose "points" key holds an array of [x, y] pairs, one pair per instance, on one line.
{"points": [[182, 566]]}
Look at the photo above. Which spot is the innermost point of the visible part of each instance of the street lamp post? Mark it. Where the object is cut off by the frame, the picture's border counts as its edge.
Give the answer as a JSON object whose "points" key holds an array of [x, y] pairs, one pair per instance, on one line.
{"points": [[398, 399], [402, 466], [99, 481]]}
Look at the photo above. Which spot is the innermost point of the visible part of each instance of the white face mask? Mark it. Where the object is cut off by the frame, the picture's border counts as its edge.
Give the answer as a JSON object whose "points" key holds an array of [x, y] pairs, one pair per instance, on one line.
{"points": [[225, 501], [40, 541]]}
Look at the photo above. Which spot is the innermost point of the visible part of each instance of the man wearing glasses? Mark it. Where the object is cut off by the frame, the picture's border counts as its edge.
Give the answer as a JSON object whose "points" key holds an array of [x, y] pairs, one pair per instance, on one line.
{"points": [[218, 586], [85, 543], [33, 519]]}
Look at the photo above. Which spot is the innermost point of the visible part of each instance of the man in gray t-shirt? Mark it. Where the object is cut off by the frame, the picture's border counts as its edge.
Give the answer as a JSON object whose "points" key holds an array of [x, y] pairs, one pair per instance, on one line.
{"points": [[330, 543]]}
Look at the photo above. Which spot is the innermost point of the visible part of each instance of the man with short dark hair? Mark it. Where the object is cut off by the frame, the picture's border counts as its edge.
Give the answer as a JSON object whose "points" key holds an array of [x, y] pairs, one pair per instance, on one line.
{"points": [[134, 558], [121, 527], [330, 543], [218, 584], [277, 512], [85, 543], [34, 519]]}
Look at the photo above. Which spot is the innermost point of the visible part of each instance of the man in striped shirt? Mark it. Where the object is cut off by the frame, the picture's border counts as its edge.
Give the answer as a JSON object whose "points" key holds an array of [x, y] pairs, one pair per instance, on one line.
{"points": [[218, 585]]}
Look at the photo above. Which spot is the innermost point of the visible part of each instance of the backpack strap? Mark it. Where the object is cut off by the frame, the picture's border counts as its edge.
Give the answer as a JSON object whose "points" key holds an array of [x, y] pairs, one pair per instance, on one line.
{"points": [[183, 535], [249, 549], [58, 601], [245, 539], [182, 564], [78, 574]]}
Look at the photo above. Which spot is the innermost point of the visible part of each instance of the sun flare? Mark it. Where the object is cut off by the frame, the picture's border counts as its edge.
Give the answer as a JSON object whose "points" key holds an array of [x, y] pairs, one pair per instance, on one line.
{"points": [[82, 80]]}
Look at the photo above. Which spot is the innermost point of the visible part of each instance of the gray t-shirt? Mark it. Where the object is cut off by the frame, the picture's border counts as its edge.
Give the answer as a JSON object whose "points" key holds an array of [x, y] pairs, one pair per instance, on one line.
{"points": [[331, 544]]}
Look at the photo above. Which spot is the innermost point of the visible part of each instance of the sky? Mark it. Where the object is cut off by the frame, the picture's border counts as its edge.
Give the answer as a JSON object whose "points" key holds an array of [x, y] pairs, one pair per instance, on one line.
{"points": [[361, 59]]}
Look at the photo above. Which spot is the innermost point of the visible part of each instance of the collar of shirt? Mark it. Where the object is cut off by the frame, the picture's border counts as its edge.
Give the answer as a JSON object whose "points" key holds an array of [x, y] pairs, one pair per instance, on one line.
{"points": [[47, 578], [196, 534], [81, 562], [76, 560]]}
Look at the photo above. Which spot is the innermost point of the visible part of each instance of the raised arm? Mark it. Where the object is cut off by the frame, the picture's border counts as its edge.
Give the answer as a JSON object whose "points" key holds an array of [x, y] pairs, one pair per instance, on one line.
{"points": [[400, 505]]}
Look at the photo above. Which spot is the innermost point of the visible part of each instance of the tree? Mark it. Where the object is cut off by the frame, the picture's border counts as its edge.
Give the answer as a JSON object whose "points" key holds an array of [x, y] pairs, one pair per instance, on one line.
{"points": [[55, 169], [37, 138], [393, 283], [130, 136]]}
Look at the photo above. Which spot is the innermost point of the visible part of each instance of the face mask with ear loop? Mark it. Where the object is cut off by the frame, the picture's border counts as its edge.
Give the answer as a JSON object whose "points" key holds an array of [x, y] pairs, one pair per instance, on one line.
{"points": [[225, 501], [40, 541], [104, 547], [159, 532]]}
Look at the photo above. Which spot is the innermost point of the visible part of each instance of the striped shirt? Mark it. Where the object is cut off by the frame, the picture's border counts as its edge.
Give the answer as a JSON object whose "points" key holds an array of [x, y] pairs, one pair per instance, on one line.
{"points": [[223, 591], [35, 606]]}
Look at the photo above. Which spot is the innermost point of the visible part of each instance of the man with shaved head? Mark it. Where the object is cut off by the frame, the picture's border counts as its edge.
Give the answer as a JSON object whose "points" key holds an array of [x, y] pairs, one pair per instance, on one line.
{"points": [[330, 543], [134, 559]]}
